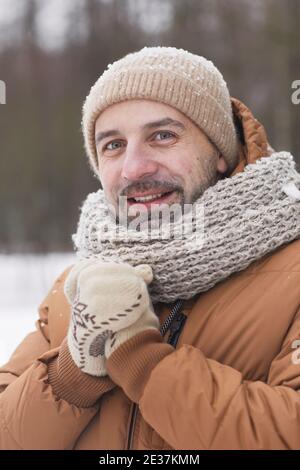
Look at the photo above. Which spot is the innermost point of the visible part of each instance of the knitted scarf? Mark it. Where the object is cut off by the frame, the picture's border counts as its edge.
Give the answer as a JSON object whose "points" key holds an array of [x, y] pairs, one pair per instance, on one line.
{"points": [[244, 218]]}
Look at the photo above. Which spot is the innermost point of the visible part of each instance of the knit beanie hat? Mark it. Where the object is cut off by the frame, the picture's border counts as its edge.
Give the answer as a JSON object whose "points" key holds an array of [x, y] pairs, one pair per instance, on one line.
{"points": [[176, 77]]}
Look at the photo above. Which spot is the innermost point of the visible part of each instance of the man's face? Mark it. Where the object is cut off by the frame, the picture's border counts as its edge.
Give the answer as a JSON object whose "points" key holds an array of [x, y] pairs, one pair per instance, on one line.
{"points": [[147, 149]]}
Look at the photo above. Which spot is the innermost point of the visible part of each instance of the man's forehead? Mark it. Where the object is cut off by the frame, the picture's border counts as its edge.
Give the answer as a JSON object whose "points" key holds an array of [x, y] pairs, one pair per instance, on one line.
{"points": [[144, 110]]}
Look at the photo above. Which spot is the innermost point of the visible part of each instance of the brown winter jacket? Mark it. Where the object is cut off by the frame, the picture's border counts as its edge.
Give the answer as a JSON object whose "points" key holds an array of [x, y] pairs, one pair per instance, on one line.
{"points": [[231, 382]]}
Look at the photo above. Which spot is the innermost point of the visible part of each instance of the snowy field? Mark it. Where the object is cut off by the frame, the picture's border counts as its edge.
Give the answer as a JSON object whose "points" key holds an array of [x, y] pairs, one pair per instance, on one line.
{"points": [[24, 282]]}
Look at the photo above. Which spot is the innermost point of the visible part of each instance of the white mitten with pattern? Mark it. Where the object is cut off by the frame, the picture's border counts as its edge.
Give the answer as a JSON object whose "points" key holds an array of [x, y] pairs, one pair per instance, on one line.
{"points": [[110, 304]]}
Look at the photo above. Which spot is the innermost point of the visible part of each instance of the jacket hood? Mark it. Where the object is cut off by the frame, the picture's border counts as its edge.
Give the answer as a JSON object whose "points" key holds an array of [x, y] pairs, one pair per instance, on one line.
{"points": [[253, 141]]}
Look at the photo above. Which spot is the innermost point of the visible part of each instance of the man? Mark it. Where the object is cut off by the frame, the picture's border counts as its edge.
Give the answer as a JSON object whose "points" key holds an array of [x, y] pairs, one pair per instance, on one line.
{"points": [[174, 343]]}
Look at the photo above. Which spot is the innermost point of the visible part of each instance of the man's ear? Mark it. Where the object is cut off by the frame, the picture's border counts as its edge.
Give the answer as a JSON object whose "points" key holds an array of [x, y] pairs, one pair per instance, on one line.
{"points": [[222, 165]]}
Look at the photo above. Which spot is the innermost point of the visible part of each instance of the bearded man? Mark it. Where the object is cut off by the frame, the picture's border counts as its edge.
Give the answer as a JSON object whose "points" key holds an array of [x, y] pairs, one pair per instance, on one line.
{"points": [[184, 341]]}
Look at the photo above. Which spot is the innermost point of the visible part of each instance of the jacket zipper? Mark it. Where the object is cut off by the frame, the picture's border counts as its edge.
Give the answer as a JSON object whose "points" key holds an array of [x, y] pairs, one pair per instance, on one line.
{"points": [[132, 423], [175, 327]]}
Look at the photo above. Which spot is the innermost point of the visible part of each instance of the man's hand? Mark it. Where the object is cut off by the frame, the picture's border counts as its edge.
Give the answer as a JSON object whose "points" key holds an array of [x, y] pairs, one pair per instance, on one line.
{"points": [[110, 304]]}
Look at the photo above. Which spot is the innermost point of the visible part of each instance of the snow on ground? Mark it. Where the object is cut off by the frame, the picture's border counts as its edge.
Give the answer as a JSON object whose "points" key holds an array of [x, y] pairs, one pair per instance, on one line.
{"points": [[24, 282]]}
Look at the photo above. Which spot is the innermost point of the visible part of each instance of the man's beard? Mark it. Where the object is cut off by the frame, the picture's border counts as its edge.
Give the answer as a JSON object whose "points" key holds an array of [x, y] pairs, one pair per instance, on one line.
{"points": [[209, 177]]}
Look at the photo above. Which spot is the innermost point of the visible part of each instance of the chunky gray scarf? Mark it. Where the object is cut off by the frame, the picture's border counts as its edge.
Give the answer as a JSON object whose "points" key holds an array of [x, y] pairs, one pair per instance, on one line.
{"points": [[245, 217]]}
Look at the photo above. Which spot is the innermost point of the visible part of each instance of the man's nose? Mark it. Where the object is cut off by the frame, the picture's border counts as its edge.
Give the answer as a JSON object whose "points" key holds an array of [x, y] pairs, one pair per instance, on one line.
{"points": [[138, 163]]}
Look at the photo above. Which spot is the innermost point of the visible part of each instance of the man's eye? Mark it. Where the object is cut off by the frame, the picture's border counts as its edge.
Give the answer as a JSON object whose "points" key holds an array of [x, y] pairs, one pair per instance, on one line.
{"points": [[116, 143], [165, 133], [106, 147]]}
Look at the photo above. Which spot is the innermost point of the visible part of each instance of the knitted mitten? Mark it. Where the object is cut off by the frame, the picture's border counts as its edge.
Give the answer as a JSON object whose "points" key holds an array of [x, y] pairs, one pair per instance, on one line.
{"points": [[110, 304]]}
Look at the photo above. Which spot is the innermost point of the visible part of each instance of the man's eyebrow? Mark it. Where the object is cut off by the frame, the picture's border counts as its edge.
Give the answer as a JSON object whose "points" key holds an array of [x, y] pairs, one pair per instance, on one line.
{"points": [[167, 121]]}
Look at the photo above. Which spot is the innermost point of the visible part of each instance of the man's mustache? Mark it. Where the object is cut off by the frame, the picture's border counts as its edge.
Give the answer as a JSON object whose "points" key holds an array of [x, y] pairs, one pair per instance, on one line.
{"points": [[143, 186]]}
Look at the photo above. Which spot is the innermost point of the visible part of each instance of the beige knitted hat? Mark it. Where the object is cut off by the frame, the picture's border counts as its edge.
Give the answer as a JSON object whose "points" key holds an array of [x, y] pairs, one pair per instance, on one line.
{"points": [[188, 82]]}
